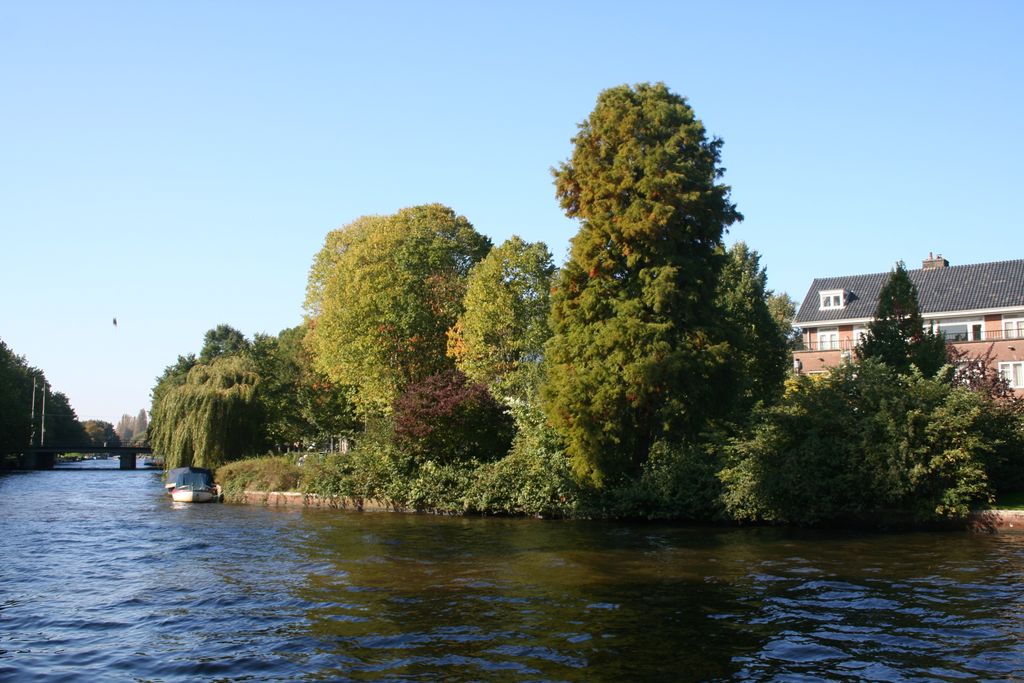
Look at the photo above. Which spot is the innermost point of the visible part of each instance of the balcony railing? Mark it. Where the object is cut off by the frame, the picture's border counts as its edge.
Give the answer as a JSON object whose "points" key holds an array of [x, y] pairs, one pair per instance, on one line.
{"points": [[951, 337], [987, 335]]}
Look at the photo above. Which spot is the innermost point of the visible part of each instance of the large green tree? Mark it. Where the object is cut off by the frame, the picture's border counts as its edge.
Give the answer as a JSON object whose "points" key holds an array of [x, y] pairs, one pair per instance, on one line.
{"points": [[632, 350], [383, 293], [758, 338], [211, 418], [15, 402], [223, 340], [897, 336], [499, 339], [101, 433], [299, 404], [62, 425]]}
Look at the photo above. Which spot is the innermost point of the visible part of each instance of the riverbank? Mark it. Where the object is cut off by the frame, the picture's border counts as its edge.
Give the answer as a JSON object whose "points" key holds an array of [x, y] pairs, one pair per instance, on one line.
{"points": [[979, 521]]}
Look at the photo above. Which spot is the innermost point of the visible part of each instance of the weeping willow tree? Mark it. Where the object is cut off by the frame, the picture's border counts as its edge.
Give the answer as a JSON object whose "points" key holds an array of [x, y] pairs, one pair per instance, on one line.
{"points": [[211, 419]]}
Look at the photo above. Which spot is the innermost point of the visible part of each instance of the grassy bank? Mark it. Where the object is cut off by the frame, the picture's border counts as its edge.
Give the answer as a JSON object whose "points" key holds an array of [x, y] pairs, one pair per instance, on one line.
{"points": [[268, 473]]}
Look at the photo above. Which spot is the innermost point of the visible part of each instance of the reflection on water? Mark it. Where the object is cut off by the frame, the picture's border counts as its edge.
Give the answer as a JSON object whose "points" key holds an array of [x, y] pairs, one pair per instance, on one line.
{"points": [[104, 578]]}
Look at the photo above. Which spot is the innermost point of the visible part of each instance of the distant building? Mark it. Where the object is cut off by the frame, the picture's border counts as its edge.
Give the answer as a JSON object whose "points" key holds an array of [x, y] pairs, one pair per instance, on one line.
{"points": [[974, 306]]}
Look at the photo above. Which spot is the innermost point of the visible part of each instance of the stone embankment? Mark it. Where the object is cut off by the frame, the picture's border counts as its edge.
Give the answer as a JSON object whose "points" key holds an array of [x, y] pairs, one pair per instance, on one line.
{"points": [[997, 520], [296, 499], [988, 521]]}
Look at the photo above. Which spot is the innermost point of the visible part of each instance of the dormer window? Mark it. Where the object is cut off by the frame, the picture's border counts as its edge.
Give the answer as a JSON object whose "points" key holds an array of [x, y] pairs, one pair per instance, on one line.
{"points": [[832, 299]]}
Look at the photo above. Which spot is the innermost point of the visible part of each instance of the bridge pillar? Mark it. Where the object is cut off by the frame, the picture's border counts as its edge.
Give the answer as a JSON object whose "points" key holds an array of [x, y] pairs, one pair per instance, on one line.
{"points": [[127, 461], [36, 461]]}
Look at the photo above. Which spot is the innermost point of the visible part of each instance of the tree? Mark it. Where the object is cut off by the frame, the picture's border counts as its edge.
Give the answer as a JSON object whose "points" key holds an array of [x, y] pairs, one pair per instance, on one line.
{"points": [[449, 418], [383, 293], [897, 336], [141, 425], [210, 419], [101, 433], [499, 339], [126, 428], [299, 405], [632, 351], [62, 425], [783, 310], [17, 428], [222, 340], [15, 402], [760, 354], [864, 444], [173, 376]]}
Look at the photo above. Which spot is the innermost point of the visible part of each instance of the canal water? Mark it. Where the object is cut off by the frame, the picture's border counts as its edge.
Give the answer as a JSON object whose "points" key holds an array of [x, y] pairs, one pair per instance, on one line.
{"points": [[104, 578]]}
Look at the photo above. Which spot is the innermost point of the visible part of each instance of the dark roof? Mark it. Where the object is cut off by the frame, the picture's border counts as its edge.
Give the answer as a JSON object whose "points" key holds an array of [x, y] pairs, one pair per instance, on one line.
{"points": [[954, 288]]}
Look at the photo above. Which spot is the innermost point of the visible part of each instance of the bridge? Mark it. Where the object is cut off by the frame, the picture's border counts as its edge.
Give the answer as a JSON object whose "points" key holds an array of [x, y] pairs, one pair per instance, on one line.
{"points": [[44, 457]]}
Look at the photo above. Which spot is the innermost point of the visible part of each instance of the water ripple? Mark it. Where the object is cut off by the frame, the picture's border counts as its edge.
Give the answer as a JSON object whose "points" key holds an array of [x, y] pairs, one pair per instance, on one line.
{"points": [[133, 588]]}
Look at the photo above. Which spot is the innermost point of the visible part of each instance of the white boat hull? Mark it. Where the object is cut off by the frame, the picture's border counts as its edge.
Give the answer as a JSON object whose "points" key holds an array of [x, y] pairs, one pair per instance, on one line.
{"points": [[190, 496]]}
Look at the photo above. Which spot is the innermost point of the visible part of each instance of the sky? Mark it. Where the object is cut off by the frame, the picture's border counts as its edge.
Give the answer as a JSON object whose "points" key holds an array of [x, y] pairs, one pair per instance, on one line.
{"points": [[177, 165]]}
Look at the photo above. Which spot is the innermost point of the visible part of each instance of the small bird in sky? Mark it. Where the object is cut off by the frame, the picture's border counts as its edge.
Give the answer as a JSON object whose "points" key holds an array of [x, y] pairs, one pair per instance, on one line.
{"points": [[115, 322]]}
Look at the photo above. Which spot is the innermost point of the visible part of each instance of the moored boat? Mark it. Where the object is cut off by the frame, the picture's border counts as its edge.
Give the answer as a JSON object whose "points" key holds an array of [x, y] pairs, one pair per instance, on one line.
{"points": [[192, 485]]}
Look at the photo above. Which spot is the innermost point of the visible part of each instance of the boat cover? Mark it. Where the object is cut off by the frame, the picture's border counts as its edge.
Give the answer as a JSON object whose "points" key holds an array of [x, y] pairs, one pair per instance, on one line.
{"points": [[193, 480], [194, 477]]}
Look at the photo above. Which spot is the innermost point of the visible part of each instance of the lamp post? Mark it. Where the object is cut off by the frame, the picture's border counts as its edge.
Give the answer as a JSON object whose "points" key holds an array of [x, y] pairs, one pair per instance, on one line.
{"points": [[42, 421], [32, 419]]}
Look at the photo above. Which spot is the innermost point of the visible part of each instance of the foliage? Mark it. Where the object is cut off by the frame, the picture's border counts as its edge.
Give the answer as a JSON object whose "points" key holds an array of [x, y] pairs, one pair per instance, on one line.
{"points": [[299, 405], [1004, 415], [897, 336], [979, 373], [783, 309], [173, 376], [448, 418], [17, 428], [678, 481], [15, 400], [100, 433], [535, 478], [383, 293], [132, 430], [268, 473], [223, 340], [632, 355], [62, 425], [374, 469], [212, 418], [499, 339], [864, 444], [760, 357]]}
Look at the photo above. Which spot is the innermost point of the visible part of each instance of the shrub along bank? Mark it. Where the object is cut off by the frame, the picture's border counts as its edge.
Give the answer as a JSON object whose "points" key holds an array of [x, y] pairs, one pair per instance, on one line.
{"points": [[863, 445]]}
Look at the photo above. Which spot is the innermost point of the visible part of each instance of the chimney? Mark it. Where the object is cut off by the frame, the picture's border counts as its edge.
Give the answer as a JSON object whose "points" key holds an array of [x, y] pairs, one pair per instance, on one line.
{"points": [[934, 262]]}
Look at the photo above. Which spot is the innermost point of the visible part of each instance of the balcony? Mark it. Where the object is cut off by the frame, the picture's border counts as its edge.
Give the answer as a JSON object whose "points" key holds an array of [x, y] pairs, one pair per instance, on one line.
{"points": [[986, 336], [950, 337], [826, 345]]}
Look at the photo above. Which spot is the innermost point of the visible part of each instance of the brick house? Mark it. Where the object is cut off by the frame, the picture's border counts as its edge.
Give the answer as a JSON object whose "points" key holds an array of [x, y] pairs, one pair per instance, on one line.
{"points": [[974, 306]]}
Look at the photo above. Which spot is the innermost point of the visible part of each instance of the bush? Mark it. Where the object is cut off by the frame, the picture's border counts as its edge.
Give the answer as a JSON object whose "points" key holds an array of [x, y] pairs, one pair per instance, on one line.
{"points": [[447, 419], [373, 469], [268, 473], [863, 445], [677, 482]]}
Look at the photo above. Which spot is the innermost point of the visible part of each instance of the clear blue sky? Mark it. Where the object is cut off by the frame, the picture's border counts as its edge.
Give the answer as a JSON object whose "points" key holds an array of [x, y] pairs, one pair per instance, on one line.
{"points": [[178, 164]]}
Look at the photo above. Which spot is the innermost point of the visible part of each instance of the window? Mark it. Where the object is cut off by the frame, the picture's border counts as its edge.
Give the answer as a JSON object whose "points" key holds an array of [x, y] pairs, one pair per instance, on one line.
{"points": [[1013, 328], [961, 330], [859, 333], [833, 298], [1013, 373], [828, 339]]}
